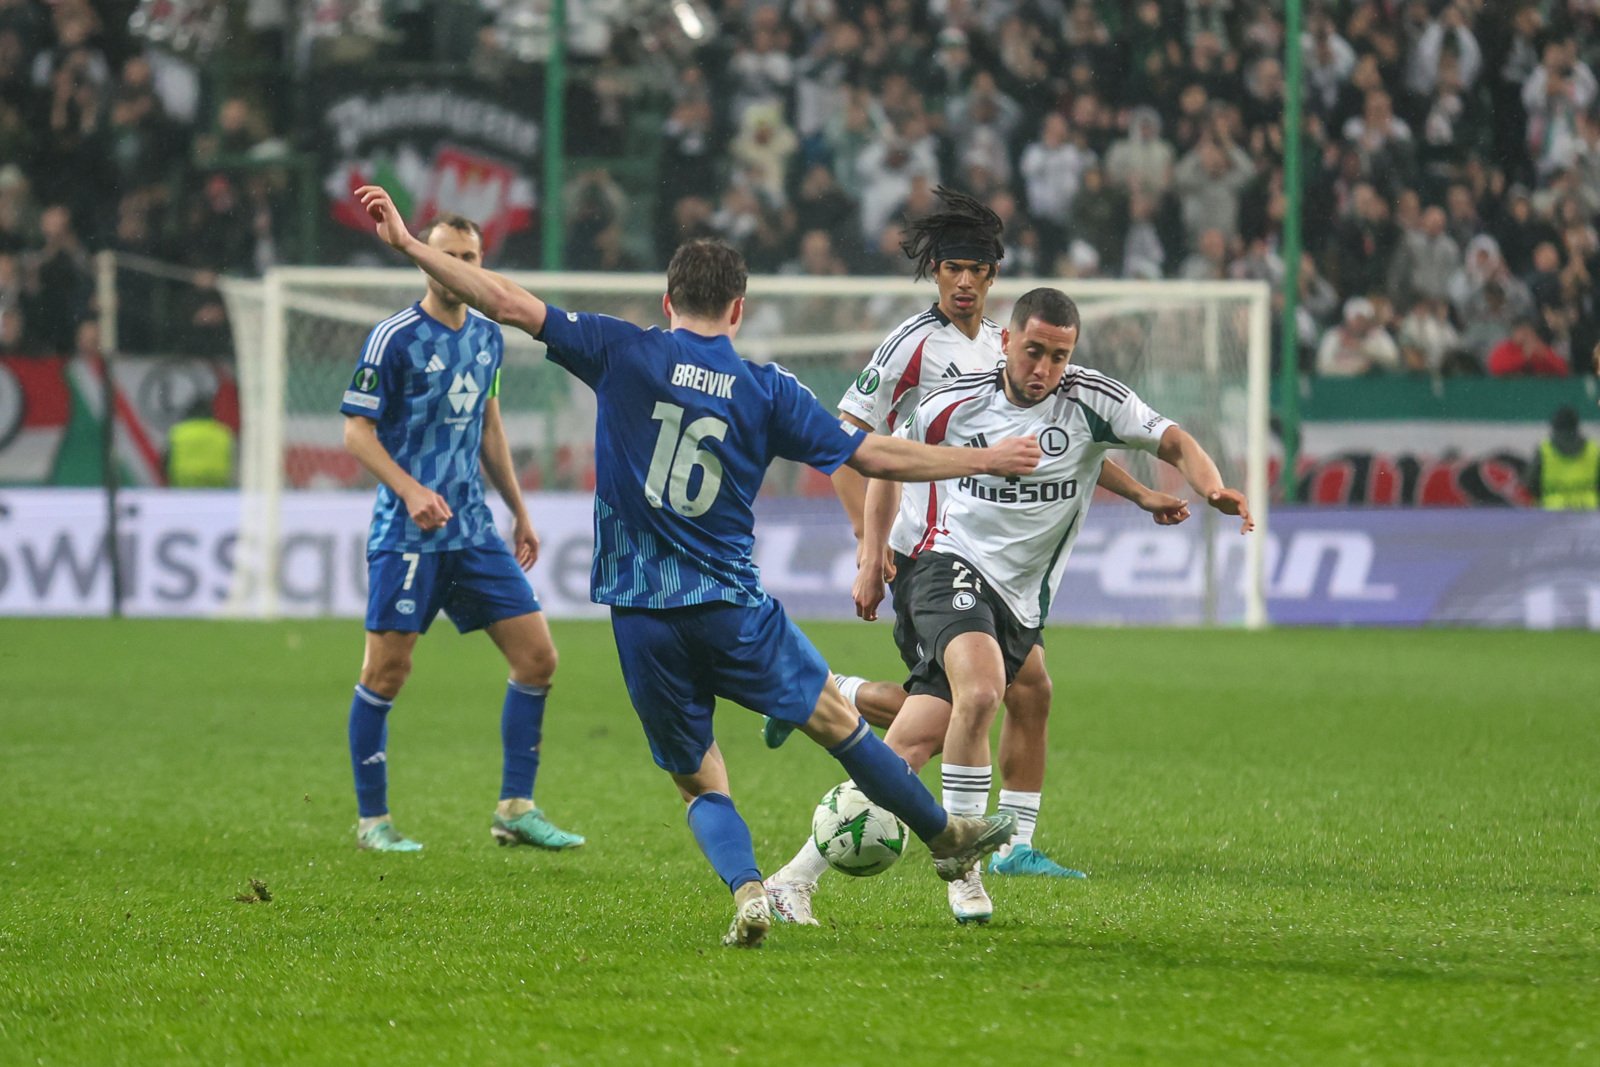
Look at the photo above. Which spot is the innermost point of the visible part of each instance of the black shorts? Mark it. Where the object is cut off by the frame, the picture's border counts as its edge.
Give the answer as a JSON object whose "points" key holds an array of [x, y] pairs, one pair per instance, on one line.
{"points": [[949, 598]]}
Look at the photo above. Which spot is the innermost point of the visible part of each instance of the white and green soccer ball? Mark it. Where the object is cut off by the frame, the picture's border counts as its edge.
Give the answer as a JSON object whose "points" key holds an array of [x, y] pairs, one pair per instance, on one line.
{"points": [[854, 835]]}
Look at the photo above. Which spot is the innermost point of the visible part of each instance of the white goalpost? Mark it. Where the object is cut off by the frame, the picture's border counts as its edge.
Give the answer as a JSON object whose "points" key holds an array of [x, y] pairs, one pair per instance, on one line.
{"points": [[1198, 352]]}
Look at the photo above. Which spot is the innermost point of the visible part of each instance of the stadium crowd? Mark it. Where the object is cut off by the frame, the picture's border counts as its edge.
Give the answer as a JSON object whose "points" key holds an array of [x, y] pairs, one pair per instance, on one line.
{"points": [[1451, 176]]}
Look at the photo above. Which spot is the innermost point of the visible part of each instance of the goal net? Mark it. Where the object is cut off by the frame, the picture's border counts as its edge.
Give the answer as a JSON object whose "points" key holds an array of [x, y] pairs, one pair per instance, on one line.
{"points": [[1196, 352]]}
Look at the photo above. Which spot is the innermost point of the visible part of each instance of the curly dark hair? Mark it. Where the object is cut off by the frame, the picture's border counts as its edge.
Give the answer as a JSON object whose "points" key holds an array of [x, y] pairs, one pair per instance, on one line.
{"points": [[964, 228]]}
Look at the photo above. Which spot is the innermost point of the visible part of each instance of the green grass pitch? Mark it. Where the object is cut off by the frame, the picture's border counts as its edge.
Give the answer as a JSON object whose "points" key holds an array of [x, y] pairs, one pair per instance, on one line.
{"points": [[1307, 847]]}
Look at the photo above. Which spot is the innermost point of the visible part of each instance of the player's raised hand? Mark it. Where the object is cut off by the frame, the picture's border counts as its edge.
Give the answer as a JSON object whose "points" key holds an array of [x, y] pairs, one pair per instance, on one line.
{"points": [[1165, 508], [391, 227], [525, 542], [1014, 456], [1232, 502], [428, 509], [867, 592]]}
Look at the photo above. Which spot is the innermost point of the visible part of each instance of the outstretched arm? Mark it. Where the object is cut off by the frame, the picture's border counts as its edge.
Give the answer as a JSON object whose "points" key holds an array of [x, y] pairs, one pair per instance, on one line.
{"points": [[493, 294], [1167, 510], [900, 460], [1181, 450]]}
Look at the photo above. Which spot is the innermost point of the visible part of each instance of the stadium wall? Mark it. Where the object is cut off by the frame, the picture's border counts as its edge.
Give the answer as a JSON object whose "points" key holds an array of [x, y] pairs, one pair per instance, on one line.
{"points": [[1518, 568]]}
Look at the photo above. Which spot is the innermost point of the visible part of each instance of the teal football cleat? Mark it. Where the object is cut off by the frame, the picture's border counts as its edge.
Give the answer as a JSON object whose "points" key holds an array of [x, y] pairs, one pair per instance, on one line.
{"points": [[532, 828], [775, 732], [385, 838], [1027, 860]]}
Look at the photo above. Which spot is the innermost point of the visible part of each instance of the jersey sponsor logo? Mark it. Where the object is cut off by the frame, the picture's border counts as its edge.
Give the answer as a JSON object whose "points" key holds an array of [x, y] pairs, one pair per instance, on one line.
{"points": [[710, 382], [1150, 423], [869, 381], [1053, 440], [435, 365], [463, 397], [405, 607], [963, 601], [1021, 492], [366, 379], [483, 359]]}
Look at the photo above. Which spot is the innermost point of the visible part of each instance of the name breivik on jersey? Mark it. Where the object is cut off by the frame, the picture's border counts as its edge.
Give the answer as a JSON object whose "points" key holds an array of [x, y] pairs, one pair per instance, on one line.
{"points": [[712, 383]]}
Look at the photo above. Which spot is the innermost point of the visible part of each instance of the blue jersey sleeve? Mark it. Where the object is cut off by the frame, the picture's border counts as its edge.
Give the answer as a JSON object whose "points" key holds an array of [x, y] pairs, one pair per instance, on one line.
{"points": [[379, 380], [805, 431], [583, 344]]}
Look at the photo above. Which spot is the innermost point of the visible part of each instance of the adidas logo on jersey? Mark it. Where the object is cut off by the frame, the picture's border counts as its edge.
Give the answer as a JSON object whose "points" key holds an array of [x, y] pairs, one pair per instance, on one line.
{"points": [[435, 365]]}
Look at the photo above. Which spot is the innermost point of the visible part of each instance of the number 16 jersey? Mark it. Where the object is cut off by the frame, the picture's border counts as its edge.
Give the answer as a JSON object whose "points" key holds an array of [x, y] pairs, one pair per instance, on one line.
{"points": [[683, 437]]}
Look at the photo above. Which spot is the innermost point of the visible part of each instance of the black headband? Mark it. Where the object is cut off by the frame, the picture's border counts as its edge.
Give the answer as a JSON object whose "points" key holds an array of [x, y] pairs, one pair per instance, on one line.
{"points": [[976, 249]]}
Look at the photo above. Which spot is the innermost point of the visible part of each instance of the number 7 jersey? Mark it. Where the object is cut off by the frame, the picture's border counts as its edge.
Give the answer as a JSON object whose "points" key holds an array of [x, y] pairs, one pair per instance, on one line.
{"points": [[1018, 532], [683, 437]]}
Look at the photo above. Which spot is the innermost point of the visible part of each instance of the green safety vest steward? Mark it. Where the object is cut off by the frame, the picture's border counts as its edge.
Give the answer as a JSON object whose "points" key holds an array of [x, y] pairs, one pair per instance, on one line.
{"points": [[1567, 483], [200, 454]]}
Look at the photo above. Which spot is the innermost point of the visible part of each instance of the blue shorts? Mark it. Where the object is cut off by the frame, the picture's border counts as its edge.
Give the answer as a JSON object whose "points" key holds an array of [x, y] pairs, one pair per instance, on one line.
{"points": [[475, 586], [678, 661]]}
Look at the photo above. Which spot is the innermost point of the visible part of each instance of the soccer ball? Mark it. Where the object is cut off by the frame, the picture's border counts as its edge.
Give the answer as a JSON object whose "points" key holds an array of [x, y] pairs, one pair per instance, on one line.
{"points": [[854, 835]]}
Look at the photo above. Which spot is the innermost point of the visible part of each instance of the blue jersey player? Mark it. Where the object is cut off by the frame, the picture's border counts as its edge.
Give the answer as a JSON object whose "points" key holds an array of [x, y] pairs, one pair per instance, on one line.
{"points": [[421, 413], [685, 432]]}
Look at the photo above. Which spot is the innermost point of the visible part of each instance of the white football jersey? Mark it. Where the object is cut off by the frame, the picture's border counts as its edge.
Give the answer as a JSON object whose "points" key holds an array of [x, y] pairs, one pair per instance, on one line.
{"points": [[1018, 532], [924, 352]]}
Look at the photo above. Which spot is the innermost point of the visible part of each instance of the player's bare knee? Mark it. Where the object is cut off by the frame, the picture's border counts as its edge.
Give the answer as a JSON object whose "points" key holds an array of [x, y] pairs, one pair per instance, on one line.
{"points": [[976, 702], [535, 666], [386, 675]]}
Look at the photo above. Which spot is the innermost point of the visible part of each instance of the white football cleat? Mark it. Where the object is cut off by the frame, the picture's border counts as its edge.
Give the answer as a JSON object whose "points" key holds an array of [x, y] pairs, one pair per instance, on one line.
{"points": [[792, 901], [969, 901], [752, 917]]}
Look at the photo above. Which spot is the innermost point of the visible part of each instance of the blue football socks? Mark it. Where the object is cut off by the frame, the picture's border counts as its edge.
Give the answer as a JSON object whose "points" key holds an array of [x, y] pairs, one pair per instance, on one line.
{"points": [[888, 781], [521, 726], [721, 832], [369, 736]]}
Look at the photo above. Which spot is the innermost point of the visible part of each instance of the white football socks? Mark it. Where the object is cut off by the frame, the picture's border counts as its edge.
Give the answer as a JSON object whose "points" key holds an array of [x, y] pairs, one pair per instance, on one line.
{"points": [[966, 789], [1026, 805], [849, 685], [808, 865]]}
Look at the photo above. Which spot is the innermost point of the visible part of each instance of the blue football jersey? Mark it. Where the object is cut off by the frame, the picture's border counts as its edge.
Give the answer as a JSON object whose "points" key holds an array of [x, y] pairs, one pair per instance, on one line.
{"points": [[425, 386], [685, 432]]}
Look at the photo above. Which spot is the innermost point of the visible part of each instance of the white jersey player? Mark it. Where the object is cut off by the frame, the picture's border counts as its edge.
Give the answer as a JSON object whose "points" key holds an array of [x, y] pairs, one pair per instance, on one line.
{"points": [[989, 552]]}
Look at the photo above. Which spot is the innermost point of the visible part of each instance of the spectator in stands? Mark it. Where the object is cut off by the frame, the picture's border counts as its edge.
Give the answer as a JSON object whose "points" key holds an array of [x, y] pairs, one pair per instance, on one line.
{"points": [[1365, 241], [1142, 157], [1525, 355], [1429, 342], [1428, 258], [1357, 345], [1209, 260], [1483, 268], [1209, 180], [763, 148], [1052, 170], [1559, 89], [64, 280], [1099, 218], [14, 332], [887, 168]]}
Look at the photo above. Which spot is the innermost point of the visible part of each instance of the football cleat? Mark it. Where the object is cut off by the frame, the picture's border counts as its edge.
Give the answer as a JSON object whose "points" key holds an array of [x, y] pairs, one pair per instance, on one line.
{"points": [[752, 916], [969, 902], [967, 839], [385, 838], [1027, 860], [532, 828], [791, 901], [775, 732]]}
